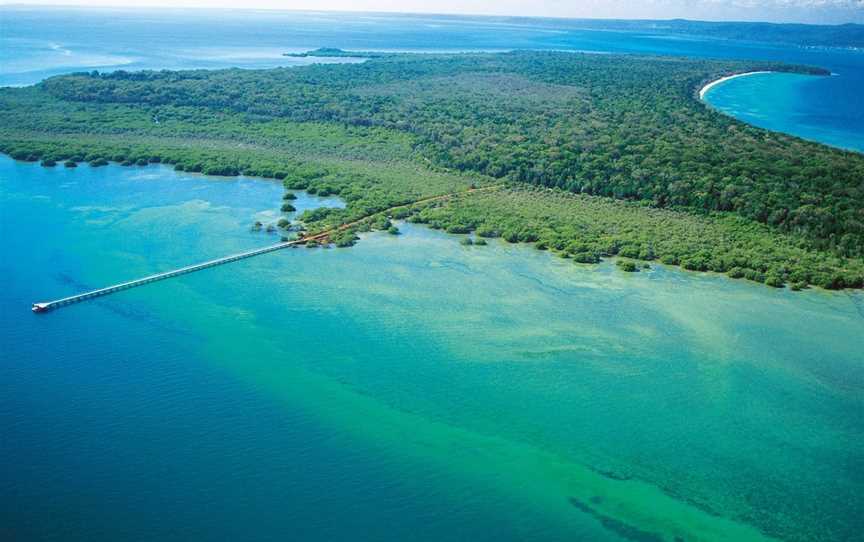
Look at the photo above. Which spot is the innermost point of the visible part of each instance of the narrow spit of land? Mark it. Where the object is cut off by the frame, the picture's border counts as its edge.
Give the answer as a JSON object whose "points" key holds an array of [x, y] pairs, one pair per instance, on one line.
{"points": [[321, 237]]}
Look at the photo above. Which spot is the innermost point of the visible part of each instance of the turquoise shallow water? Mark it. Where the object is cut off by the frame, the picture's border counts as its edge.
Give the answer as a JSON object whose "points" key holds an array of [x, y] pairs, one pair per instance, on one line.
{"points": [[796, 104], [407, 387]]}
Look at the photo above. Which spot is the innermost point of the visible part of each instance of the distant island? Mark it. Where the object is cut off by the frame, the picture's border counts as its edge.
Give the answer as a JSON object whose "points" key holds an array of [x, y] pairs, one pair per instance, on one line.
{"points": [[334, 53], [587, 156], [845, 35], [848, 35]]}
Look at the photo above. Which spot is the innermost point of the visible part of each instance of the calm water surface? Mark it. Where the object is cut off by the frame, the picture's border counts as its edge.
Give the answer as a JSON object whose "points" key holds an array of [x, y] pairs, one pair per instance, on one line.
{"points": [[797, 104], [407, 387]]}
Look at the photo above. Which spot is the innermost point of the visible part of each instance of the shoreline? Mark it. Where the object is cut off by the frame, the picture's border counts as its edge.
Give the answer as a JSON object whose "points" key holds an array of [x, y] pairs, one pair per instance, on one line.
{"points": [[704, 90]]}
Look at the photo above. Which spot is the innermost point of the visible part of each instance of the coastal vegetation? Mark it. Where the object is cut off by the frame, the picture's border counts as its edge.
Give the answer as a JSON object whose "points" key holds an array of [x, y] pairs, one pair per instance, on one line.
{"points": [[589, 156], [587, 229], [331, 52], [628, 266]]}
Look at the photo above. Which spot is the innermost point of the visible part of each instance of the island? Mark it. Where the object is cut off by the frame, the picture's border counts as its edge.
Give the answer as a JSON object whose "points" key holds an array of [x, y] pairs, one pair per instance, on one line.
{"points": [[849, 35], [589, 156], [331, 52]]}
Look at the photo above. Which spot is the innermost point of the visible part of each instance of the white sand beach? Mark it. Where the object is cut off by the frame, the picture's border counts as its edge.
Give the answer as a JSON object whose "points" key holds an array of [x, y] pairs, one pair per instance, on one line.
{"points": [[712, 84]]}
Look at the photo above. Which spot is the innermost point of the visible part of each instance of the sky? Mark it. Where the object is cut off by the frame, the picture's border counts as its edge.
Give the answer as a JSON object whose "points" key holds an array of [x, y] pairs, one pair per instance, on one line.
{"points": [[810, 11]]}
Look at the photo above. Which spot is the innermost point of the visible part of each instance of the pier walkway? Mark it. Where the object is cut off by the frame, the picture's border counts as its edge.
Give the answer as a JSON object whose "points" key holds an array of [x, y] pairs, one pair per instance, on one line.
{"points": [[50, 305], [319, 237]]}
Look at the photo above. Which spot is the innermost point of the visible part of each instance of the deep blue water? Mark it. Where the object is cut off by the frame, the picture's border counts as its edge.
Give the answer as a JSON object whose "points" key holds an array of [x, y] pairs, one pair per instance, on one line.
{"points": [[37, 44]]}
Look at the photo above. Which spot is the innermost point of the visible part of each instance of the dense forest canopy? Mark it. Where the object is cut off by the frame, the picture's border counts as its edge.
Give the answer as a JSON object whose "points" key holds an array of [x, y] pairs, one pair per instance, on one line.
{"points": [[624, 127]]}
